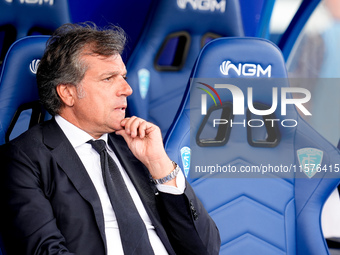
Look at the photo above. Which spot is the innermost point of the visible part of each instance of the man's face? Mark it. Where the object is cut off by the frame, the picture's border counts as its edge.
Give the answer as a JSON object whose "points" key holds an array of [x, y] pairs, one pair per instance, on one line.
{"points": [[101, 105]]}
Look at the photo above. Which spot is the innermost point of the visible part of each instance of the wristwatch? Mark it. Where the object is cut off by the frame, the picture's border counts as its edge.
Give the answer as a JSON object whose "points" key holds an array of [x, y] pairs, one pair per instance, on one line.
{"points": [[170, 176]]}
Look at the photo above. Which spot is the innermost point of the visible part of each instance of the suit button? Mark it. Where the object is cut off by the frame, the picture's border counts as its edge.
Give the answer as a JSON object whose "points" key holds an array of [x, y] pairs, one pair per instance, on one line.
{"points": [[193, 210]]}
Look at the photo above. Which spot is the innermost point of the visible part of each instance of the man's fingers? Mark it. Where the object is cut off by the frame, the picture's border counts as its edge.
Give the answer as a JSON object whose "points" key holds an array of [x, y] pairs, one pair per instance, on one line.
{"points": [[142, 129], [135, 126]]}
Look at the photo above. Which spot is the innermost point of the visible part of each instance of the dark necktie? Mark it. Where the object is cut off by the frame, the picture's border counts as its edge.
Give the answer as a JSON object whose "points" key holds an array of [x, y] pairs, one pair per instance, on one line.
{"points": [[132, 230]]}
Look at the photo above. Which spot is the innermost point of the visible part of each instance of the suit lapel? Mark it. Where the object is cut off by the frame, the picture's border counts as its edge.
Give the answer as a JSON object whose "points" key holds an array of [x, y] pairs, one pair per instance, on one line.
{"points": [[69, 161]]}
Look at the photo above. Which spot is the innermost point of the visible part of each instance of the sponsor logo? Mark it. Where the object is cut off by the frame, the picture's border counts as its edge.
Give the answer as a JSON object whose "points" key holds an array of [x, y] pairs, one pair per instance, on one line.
{"points": [[40, 2], [186, 154], [246, 69], [34, 65], [144, 82], [309, 159], [203, 5]]}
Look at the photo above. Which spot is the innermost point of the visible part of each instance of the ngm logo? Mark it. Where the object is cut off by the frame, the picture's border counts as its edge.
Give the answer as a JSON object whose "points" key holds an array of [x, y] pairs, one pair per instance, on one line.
{"points": [[246, 69], [203, 5], [40, 2]]}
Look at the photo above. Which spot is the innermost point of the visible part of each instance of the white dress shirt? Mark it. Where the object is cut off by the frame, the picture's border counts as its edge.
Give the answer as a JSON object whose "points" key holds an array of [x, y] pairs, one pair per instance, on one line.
{"points": [[91, 161]]}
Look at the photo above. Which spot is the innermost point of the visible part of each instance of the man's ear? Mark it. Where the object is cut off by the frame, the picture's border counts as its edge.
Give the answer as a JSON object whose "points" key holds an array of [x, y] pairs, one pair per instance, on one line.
{"points": [[67, 93]]}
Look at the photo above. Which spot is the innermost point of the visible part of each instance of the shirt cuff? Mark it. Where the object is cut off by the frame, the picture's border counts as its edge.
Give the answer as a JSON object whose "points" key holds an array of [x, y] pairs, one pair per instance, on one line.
{"points": [[179, 190]]}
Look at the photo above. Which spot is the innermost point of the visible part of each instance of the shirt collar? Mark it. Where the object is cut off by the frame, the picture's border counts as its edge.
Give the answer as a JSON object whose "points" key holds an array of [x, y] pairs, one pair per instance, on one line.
{"points": [[75, 135]]}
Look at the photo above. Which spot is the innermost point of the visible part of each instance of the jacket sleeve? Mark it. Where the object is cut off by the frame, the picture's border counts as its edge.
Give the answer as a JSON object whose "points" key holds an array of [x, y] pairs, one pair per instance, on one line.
{"points": [[189, 226], [27, 222]]}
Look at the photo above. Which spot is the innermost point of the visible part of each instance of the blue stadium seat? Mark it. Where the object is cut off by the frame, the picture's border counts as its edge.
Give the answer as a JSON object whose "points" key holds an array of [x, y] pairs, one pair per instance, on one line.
{"points": [[29, 17], [19, 107], [162, 60], [220, 152]]}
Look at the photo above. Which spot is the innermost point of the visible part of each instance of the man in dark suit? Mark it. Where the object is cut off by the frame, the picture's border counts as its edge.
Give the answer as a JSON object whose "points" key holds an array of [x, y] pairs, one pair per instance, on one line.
{"points": [[54, 199]]}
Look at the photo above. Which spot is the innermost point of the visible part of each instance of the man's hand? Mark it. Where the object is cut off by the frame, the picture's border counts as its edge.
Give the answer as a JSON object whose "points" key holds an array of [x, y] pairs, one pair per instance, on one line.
{"points": [[145, 141]]}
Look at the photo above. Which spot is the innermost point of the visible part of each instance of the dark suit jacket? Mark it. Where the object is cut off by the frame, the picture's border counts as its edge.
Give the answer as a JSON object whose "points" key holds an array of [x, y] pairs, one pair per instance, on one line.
{"points": [[49, 204]]}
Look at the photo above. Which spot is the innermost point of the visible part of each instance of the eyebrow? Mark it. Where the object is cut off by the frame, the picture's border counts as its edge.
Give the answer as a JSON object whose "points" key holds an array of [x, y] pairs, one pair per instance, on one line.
{"points": [[111, 73]]}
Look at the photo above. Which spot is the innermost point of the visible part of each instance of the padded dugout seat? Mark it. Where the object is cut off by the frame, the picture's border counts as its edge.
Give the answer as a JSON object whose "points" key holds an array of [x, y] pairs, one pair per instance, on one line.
{"points": [[162, 60], [276, 213], [19, 106], [22, 18]]}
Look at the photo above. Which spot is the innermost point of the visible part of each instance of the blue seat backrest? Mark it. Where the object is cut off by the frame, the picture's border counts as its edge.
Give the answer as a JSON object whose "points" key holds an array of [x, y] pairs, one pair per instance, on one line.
{"points": [[19, 18], [256, 212], [163, 58], [18, 87]]}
